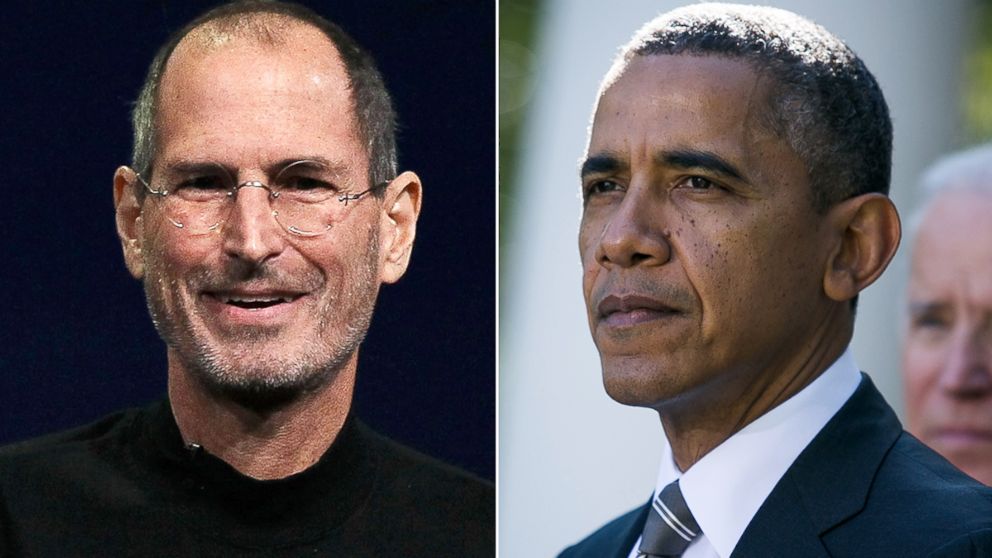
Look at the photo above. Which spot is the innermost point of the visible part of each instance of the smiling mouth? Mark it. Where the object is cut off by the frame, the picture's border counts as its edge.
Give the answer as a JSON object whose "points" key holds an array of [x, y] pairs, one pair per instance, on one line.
{"points": [[253, 302]]}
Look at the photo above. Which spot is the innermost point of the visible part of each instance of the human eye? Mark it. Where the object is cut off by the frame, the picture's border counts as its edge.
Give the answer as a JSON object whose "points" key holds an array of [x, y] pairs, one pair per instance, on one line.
{"points": [[931, 319], [206, 182], [697, 183], [201, 187], [306, 181], [306, 184], [307, 188], [600, 187]]}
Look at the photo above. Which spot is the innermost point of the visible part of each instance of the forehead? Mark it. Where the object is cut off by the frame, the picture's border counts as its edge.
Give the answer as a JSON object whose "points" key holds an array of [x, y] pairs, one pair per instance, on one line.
{"points": [[710, 102], [241, 95], [952, 256]]}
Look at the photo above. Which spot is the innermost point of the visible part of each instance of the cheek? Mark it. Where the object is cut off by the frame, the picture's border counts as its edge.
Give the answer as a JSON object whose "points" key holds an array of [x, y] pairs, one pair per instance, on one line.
{"points": [[172, 257], [718, 263], [173, 261], [347, 261], [921, 370], [587, 258], [785, 258], [589, 274], [173, 247], [750, 274]]}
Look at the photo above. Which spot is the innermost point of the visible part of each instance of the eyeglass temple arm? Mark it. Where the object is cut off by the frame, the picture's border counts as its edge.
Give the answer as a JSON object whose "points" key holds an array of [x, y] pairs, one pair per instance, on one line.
{"points": [[149, 188], [345, 198]]}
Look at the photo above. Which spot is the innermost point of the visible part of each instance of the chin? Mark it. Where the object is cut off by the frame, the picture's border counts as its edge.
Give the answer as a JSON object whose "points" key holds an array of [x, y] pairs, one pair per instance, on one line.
{"points": [[262, 387], [262, 381], [638, 385], [661, 381]]}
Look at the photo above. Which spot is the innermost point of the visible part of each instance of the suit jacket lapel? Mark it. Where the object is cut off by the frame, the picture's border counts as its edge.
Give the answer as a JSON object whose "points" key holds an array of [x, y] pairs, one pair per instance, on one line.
{"points": [[613, 540], [829, 481], [780, 529], [627, 536]]}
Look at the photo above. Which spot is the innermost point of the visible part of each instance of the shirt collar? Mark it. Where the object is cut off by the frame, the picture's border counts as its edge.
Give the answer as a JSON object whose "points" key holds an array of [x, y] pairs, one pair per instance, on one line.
{"points": [[726, 487]]}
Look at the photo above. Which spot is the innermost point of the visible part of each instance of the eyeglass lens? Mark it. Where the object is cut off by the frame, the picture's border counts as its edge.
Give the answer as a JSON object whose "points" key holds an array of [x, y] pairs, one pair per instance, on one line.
{"points": [[303, 196]]}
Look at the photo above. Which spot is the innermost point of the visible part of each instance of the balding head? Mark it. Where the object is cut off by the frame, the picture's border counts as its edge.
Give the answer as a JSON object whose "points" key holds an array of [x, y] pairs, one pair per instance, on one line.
{"points": [[266, 25]]}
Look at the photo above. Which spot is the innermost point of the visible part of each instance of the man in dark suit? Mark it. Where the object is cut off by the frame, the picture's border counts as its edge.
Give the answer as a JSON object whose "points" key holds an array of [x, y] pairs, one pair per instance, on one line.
{"points": [[734, 205]]}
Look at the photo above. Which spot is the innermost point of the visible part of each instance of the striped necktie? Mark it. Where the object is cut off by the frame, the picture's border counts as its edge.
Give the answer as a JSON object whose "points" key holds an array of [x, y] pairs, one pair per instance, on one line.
{"points": [[670, 526]]}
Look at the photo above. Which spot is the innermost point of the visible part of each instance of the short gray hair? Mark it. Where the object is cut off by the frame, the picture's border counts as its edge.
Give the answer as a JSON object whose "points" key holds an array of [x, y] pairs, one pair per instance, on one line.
{"points": [[969, 170]]}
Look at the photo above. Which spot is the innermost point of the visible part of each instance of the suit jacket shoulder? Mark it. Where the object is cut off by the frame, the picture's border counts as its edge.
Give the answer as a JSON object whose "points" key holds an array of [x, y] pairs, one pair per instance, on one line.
{"points": [[864, 487]]}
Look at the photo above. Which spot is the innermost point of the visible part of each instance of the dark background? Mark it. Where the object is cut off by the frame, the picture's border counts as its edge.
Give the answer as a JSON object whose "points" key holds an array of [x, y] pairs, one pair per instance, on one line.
{"points": [[76, 342]]}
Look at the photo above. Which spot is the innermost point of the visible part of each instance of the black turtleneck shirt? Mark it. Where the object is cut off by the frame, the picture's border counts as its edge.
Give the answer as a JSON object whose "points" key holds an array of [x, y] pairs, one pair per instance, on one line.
{"points": [[127, 486]]}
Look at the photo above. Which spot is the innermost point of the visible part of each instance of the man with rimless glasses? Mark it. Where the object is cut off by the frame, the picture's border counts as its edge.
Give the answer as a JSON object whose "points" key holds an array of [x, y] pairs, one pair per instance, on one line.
{"points": [[302, 196], [262, 211]]}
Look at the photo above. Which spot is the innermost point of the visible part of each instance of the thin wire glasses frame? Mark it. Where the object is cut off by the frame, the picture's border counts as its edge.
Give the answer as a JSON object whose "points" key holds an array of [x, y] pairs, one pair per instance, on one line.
{"points": [[302, 201]]}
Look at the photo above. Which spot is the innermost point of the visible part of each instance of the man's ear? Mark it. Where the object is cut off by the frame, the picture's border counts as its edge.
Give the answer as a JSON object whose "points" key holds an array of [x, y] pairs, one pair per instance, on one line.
{"points": [[129, 224], [867, 233], [401, 208]]}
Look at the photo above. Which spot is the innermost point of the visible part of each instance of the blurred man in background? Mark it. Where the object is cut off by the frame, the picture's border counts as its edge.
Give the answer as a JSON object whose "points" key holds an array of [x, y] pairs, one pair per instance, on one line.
{"points": [[947, 357]]}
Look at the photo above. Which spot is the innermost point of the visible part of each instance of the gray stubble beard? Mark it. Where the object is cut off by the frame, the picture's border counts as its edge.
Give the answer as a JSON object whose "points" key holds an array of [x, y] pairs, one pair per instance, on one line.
{"points": [[268, 381]]}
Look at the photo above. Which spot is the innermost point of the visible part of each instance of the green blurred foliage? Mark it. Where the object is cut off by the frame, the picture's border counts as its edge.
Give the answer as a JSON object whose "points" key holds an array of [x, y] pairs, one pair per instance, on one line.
{"points": [[519, 21], [977, 101]]}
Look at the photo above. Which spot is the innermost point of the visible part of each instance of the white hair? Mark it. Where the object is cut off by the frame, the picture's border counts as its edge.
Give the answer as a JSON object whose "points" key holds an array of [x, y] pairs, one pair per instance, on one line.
{"points": [[964, 171]]}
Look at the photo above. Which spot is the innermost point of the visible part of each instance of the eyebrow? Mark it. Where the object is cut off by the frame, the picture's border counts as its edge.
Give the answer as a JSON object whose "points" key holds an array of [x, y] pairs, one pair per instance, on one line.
{"points": [[602, 163], [696, 159], [313, 161], [185, 166], [610, 162], [335, 167], [917, 308]]}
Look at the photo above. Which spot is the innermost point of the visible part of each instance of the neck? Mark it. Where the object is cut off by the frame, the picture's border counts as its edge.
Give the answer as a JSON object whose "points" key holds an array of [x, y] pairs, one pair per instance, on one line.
{"points": [[264, 444], [698, 422]]}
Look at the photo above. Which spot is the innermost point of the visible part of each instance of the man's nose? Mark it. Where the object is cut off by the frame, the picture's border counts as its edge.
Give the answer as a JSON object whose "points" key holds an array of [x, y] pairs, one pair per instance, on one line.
{"points": [[635, 233], [251, 232], [967, 370]]}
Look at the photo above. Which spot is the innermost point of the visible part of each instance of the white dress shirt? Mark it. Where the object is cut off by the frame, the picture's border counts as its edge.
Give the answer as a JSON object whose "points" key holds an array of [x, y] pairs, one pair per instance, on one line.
{"points": [[726, 487]]}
